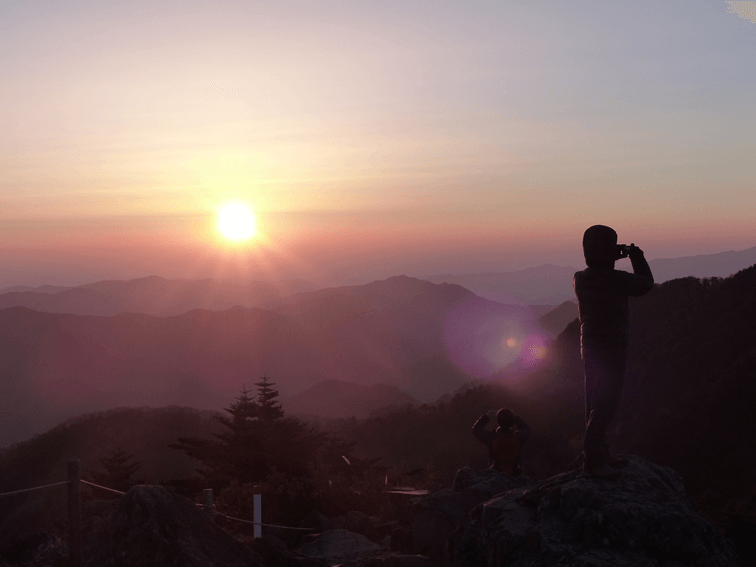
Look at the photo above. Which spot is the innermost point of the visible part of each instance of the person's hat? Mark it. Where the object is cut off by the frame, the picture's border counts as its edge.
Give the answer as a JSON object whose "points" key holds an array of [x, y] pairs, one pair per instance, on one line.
{"points": [[505, 418], [600, 246]]}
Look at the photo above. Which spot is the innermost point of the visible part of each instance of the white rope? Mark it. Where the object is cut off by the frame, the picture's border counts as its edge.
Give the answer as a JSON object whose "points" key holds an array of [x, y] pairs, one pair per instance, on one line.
{"points": [[103, 487], [261, 524]]}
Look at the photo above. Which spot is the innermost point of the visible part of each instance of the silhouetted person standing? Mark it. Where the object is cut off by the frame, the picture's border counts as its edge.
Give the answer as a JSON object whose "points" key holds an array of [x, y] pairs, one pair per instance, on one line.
{"points": [[505, 443], [602, 294]]}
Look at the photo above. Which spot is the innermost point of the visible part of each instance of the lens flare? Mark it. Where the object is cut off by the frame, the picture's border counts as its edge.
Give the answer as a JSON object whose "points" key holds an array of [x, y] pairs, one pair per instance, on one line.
{"points": [[485, 338]]}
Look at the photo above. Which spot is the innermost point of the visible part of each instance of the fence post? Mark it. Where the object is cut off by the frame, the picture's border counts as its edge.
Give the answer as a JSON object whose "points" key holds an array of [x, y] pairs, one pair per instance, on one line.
{"points": [[257, 500], [74, 512]]}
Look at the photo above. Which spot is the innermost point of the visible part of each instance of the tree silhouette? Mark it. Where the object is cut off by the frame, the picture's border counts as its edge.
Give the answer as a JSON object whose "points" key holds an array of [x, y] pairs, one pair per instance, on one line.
{"points": [[269, 408], [118, 472], [257, 438]]}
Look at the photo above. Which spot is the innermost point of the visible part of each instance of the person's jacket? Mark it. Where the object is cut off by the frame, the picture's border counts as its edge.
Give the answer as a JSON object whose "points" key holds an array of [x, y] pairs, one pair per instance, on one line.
{"points": [[511, 464], [602, 294]]}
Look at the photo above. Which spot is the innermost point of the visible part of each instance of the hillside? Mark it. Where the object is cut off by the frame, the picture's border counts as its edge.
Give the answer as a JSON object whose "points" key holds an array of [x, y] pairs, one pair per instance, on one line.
{"points": [[688, 388], [333, 398], [142, 432], [686, 402]]}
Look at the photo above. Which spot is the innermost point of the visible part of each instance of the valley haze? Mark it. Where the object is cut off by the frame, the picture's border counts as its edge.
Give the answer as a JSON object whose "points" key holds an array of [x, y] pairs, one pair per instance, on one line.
{"points": [[333, 352]]}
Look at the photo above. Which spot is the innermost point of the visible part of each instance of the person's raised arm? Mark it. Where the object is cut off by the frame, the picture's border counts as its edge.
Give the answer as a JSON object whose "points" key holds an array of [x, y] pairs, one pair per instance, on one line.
{"points": [[478, 429], [641, 281], [523, 430]]}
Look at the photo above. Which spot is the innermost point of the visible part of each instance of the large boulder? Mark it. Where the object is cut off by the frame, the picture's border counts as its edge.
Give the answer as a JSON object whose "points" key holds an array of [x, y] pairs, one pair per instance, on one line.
{"points": [[643, 520], [150, 526], [338, 546], [357, 522], [317, 522], [275, 554], [437, 515]]}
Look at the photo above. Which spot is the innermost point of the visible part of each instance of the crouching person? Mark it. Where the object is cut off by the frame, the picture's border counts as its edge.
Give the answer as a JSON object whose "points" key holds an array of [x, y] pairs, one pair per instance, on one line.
{"points": [[505, 443]]}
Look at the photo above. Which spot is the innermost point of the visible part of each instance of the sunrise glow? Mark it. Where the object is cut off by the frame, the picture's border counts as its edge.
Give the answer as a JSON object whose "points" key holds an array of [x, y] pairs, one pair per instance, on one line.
{"points": [[236, 222]]}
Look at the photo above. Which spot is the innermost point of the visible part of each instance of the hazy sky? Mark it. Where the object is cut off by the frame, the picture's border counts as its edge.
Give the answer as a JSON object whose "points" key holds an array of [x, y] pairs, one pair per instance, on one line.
{"points": [[369, 138]]}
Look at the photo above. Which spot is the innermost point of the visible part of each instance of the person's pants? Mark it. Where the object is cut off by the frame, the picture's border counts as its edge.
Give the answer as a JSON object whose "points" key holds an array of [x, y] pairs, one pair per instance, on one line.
{"points": [[604, 375]]}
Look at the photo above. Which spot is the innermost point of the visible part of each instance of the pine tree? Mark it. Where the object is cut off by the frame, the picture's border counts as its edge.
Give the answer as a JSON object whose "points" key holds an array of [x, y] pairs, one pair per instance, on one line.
{"points": [[269, 407], [257, 436], [119, 472]]}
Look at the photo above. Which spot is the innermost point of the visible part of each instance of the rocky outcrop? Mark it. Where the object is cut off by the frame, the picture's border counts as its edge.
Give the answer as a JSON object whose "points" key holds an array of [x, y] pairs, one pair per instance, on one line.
{"points": [[643, 520], [150, 526], [317, 522], [275, 554], [357, 522], [390, 560], [339, 545], [437, 515]]}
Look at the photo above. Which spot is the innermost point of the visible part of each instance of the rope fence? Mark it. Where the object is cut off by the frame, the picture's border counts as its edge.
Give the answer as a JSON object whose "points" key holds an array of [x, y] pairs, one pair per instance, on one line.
{"points": [[33, 489], [74, 483], [261, 524], [103, 487]]}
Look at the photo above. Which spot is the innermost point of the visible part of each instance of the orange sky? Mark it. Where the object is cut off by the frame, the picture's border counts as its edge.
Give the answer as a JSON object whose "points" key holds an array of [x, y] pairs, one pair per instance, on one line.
{"points": [[369, 139]]}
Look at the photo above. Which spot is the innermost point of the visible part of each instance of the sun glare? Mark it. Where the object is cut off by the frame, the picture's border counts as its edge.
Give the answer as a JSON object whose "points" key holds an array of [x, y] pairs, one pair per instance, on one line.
{"points": [[236, 221]]}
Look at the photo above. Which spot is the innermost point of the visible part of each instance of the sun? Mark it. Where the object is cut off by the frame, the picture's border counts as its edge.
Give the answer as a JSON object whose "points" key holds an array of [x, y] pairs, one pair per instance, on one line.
{"points": [[236, 221]]}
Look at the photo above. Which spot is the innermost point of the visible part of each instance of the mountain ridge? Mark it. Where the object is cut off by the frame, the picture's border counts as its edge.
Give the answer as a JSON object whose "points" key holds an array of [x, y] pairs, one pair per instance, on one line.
{"points": [[402, 332]]}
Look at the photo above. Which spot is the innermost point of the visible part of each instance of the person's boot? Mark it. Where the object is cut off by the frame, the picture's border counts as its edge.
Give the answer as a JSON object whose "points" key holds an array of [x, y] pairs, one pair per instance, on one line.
{"points": [[577, 463], [603, 471], [612, 460]]}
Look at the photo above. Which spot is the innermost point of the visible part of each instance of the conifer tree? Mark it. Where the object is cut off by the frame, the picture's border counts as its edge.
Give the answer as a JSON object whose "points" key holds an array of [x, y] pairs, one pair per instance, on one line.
{"points": [[269, 407], [119, 472], [257, 436]]}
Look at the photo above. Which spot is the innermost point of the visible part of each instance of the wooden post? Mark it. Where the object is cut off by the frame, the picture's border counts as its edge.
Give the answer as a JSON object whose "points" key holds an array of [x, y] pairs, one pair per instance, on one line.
{"points": [[257, 500], [74, 512], [207, 500]]}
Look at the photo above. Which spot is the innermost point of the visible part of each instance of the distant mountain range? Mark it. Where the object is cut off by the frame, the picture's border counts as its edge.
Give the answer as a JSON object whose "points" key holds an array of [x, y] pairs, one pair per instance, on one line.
{"points": [[68, 351], [718, 265], [552, 285], [542, 288], [152, 295], [412, 335]]}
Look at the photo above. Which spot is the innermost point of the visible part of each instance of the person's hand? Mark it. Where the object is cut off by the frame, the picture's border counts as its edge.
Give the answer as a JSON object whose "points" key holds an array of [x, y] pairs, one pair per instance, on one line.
{"points": [[635, 252]]}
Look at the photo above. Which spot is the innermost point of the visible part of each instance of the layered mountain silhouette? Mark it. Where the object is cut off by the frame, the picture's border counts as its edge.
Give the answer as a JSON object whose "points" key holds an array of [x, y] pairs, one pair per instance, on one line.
{"points": [[152, 295], [686, 402], [552, 285], [424, 338], [545, 286]]}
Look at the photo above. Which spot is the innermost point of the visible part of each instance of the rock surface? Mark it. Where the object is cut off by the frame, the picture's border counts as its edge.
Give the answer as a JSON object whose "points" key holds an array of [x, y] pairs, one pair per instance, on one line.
{"points": [[339, 545], [437, 515], [317, 522], [275, 554], [392, 560], [643, 520], [150, 526]]}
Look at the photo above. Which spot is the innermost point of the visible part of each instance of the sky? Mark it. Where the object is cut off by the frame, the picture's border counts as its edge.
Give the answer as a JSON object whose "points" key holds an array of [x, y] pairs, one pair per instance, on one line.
{"points": [[369, 139]]}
